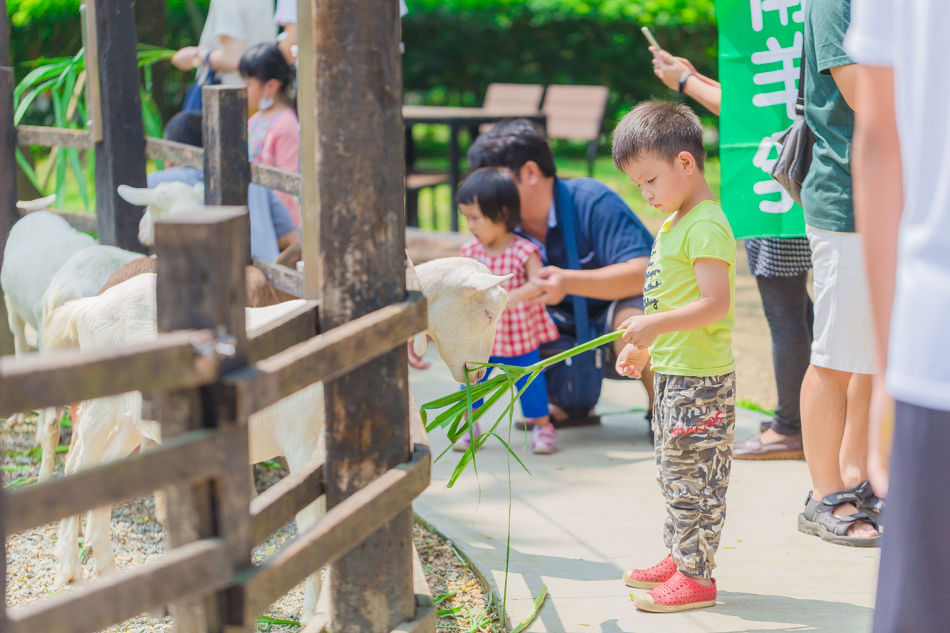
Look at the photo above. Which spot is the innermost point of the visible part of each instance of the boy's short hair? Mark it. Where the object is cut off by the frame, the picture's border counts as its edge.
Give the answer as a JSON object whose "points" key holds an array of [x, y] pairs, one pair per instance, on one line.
{"points": [[496, 193], [185, 127], [511, 144], [658, 128]]}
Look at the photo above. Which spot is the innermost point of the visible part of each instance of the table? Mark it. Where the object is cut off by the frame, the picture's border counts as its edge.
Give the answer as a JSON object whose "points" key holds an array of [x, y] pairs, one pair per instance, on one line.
{"points": [[456, 118]]}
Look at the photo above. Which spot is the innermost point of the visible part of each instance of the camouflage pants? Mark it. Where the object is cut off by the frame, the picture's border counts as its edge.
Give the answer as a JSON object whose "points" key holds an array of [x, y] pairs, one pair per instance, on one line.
{"points": [[693, 424]]}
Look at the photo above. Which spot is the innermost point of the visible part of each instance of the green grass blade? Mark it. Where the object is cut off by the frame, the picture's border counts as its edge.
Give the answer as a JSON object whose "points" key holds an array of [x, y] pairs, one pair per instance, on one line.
{"points": [[76, 165], [534, 612]]}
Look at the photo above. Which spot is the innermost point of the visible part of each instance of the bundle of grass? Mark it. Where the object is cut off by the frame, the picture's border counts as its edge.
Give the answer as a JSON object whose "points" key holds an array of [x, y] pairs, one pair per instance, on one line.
{"points": [[458, 416]]}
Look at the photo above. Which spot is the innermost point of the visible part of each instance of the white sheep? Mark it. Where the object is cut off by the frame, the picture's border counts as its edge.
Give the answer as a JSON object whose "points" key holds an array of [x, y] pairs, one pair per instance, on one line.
{"points": [[164, 200], [465, 302], [37, 247]]}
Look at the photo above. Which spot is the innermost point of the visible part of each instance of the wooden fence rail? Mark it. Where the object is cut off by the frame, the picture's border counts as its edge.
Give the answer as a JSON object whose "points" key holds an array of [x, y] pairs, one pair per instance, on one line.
{"points": [[272, 363]]}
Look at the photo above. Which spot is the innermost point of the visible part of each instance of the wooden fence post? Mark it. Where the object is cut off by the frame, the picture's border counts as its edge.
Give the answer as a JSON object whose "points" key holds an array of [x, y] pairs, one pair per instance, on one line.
{"points": [[120, 156], [354, 241], [224, 136], [201, 284], [8, 168], [8, 177]]}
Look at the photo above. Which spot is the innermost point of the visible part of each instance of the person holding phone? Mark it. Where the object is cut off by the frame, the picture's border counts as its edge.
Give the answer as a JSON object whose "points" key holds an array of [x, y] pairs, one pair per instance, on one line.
{"points": [[780, 267]]}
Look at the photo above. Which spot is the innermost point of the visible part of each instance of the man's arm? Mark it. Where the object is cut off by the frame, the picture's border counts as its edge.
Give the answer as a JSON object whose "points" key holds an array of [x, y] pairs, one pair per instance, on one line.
{"points": [[617, 281], [878, 204], [846, 78], [878, 191]]}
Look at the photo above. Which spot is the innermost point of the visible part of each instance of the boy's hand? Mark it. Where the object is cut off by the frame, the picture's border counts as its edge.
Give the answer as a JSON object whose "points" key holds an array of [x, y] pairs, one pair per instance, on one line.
{"points": [[631, 361], [640, 331]]}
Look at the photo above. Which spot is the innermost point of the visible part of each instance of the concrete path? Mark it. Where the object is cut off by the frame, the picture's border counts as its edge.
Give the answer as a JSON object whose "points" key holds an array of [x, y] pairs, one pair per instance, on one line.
{"points": [[594, 509]]}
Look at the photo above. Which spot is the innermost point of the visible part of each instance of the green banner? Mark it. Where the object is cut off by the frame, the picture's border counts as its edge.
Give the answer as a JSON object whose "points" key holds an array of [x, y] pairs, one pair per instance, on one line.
{"points": [[760, 43]]}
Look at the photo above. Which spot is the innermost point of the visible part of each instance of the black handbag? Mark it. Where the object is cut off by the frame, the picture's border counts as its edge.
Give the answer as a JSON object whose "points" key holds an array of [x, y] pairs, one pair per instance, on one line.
{"points": [[204, 76], [795, 146], [576, 382]]}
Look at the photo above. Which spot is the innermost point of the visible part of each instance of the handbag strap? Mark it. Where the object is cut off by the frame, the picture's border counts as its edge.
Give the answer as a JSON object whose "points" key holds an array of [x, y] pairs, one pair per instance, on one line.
{"points": [[800, 101], [567, 220]]}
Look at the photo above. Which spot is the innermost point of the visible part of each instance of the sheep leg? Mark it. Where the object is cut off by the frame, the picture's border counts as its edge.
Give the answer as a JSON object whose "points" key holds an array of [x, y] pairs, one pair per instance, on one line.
{"points": [[20, 347], [161, 500], [124, 438], [305, 519], [47, 436]]}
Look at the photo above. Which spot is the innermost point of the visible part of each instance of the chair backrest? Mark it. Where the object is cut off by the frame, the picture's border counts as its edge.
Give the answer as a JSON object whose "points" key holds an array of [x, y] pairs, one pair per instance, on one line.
{"points": [[513, 98], [575, 112]]}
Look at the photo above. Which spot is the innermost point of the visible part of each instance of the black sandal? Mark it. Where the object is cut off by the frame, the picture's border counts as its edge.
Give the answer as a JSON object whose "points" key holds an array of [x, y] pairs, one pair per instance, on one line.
{"points": [[869, 503], [819, 520]]}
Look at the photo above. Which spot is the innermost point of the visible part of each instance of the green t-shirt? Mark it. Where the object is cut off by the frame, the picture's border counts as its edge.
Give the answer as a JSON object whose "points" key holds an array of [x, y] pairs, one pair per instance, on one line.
{"points": [[704, 233], [826, 192]]}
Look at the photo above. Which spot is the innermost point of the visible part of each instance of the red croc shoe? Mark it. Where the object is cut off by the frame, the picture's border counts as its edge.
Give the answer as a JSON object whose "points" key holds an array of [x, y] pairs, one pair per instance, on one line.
{"points": [[679, 593], [652, 577]]}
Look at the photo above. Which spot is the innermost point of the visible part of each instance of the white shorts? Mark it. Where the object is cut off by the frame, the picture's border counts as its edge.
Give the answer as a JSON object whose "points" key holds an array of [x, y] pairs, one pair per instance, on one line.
{"points": [[844, 330]]}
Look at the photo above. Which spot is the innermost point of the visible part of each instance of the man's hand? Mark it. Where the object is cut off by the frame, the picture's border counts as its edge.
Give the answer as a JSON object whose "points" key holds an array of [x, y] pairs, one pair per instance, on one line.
{"points": [[669, 69], [550, 280], [631, 361], [184, 59], [640, 331], [417, 361]]}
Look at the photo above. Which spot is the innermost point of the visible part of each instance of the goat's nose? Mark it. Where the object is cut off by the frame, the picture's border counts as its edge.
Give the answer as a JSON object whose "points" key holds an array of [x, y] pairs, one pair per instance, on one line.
{"points": [[480, 373]]}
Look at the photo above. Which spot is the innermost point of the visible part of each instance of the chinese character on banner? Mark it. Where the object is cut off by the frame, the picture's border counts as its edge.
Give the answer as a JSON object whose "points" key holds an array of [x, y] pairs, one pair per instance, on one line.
{"points": [[761, 6], [760, 54], [787, 76], [764, 160]]}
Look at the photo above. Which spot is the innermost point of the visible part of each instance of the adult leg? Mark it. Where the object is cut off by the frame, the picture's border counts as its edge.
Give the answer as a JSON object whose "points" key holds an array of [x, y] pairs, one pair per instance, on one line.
{"points": [[788, 310], [854, 444], [910, 586]]}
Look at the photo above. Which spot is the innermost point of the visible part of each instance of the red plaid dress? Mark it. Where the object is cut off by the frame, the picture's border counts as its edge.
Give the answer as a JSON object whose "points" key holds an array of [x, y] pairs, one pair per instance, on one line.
{"points": [[523, 327]]}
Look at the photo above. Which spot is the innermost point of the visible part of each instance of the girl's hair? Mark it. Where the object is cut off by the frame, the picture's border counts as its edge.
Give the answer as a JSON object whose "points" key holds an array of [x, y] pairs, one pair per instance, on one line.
{"points": [[265, 62], [495, 192]]}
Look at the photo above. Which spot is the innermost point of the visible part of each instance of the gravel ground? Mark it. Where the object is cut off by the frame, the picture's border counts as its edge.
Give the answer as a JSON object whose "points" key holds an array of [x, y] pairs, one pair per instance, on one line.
{"points": [[138, 538]]}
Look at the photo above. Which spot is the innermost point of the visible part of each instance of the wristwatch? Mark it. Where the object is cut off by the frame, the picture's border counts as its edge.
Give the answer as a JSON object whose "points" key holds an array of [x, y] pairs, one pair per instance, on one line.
{"points": [[683, 82]]}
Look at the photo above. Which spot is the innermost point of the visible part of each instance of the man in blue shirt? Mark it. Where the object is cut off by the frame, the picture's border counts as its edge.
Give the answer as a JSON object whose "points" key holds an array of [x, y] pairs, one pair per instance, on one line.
{"points": [[613, 246]]}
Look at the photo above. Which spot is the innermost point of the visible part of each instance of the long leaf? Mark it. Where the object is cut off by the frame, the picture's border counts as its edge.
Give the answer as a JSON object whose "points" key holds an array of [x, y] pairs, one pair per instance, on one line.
{"points": [[534, 612], [77, 169]]}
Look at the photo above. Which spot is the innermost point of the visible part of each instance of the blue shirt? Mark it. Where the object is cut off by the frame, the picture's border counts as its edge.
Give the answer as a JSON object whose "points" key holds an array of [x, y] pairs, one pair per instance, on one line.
{"points": [[608, 233], [269, 217]]}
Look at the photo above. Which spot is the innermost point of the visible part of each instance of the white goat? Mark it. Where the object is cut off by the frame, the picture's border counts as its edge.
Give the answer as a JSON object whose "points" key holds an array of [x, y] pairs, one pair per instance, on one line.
{"points": [[464, 300], [164, 200], [37, 247]]}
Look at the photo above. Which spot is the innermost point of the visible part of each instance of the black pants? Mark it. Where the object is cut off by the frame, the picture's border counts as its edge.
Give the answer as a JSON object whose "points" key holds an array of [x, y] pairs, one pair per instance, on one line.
{"points": [[790, 314], [915, 553]]}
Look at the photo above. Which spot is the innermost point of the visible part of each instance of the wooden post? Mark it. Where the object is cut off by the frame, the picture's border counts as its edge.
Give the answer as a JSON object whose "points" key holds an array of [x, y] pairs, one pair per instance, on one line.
{"points": [[120, 156], [352, 151], [201, 285], [224, 135], [8, 178]]}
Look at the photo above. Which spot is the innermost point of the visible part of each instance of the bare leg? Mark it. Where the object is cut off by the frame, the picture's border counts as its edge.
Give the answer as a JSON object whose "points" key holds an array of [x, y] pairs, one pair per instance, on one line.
{"points": [[854, 443], [824, 407]]}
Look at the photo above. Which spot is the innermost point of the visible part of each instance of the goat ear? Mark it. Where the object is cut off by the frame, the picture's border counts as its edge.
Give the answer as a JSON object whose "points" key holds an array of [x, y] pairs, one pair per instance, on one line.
{"points": [[420, 343], [132, 195], [36, 205], [480, 282]]}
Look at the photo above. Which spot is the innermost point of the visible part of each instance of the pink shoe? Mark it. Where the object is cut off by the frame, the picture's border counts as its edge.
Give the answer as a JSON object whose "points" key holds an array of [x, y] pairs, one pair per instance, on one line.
{"points": [[652, 576], [679, 593], [465, 441], [543, 440]]}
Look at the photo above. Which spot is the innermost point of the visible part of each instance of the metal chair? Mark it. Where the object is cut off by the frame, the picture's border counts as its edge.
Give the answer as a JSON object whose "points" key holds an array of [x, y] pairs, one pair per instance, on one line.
{"points": [[576, 113]]}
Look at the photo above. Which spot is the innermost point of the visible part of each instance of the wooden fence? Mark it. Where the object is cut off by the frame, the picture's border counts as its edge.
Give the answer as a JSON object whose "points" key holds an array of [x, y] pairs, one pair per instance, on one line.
{"points": [[204, 376], [213, 524]]}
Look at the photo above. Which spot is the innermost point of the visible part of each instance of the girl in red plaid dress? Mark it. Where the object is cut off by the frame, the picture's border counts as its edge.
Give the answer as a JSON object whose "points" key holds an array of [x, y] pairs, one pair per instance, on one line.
{"points": [[489, 201]]}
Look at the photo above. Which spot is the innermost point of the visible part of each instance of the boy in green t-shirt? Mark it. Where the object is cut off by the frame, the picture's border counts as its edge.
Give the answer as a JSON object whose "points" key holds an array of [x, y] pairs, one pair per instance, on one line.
{"points": [[686, 335]]}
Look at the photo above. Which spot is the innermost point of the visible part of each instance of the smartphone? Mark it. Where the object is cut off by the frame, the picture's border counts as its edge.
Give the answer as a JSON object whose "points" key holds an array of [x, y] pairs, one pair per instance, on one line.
{"points": [[650, 38]]}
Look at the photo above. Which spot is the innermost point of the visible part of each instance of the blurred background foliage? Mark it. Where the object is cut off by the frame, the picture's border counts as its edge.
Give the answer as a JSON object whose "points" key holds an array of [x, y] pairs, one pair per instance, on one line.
{"points": [[454, 49]]}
